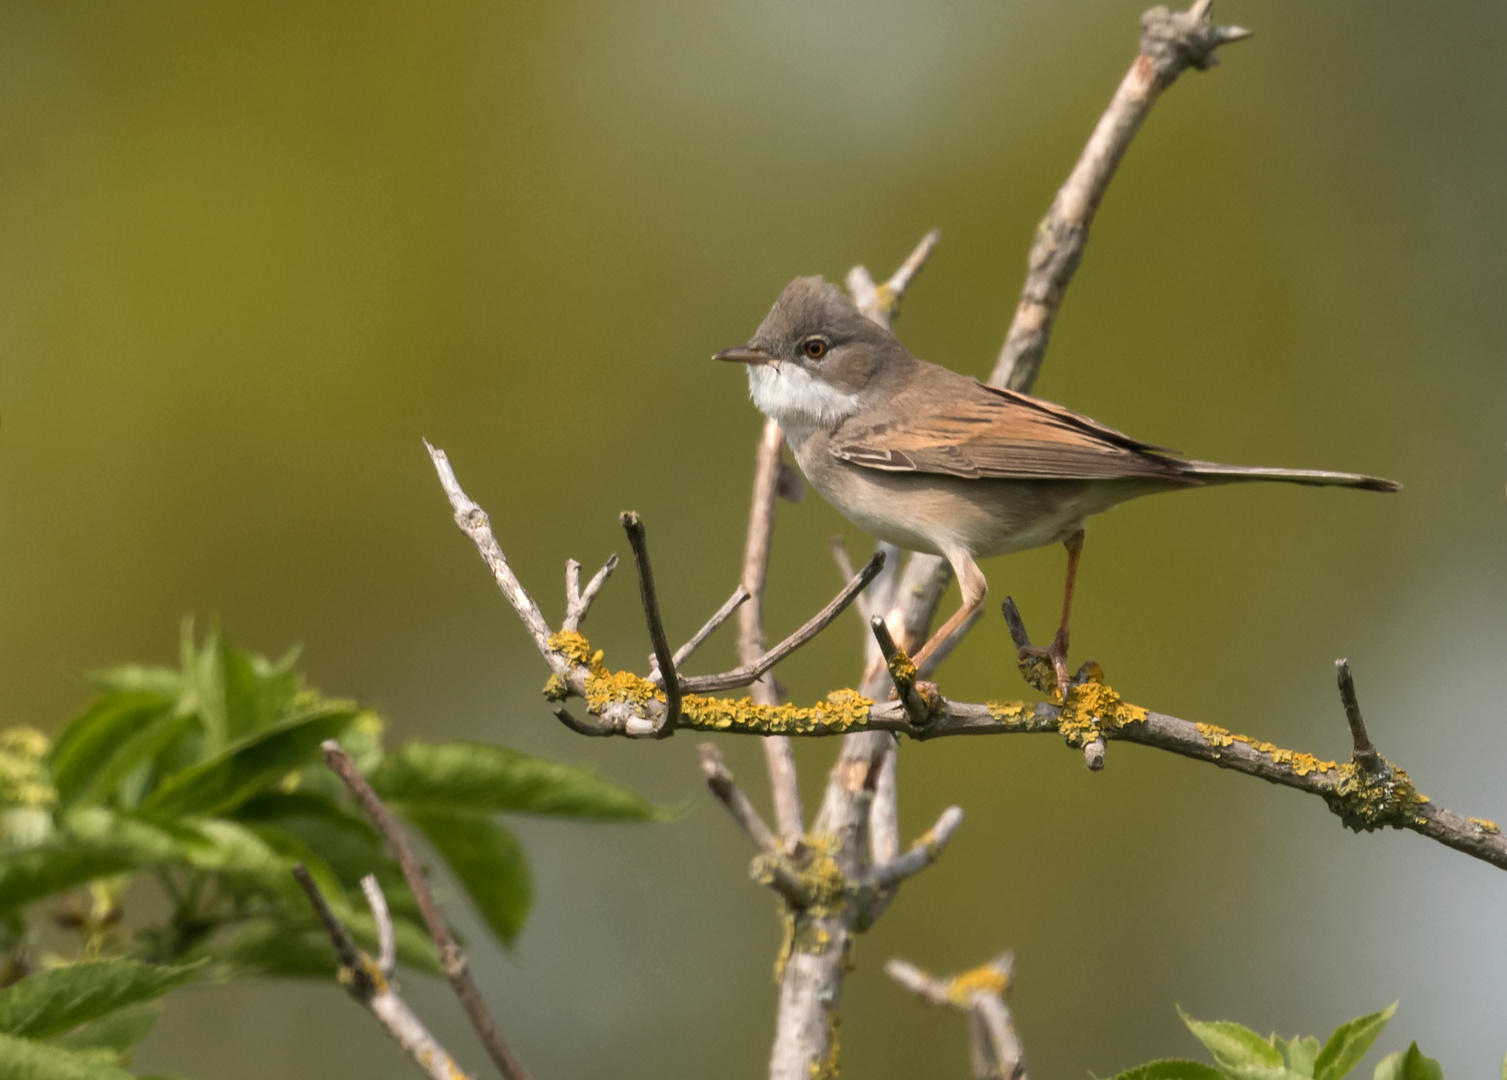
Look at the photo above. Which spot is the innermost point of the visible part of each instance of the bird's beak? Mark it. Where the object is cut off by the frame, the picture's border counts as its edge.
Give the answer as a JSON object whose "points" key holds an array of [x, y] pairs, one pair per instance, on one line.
{"points": [[744, 354]]}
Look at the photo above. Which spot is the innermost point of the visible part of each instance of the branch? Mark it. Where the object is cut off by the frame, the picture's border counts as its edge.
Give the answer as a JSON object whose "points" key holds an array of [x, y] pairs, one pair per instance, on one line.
{"points": [[881, 303], [779, 757], [737, 599], [370, 983], [578, 602], [902, 672], [719, 779], [997, 1053], [635, 530], [729, 680], [387, 938], [1170, 43], [451, 958], [1365, 754], [922, 853]]}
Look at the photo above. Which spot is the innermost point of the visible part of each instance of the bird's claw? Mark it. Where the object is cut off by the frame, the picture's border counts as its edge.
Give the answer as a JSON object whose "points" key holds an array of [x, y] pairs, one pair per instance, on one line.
{"points": [[1056, 655]]}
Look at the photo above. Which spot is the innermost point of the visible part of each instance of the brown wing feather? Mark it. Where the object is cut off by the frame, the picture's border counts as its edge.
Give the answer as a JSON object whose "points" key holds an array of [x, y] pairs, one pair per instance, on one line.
{"points": [[990, 433]]}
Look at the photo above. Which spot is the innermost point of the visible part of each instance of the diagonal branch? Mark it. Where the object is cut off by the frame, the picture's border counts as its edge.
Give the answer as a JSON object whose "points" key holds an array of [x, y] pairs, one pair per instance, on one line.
{"points": [[730, 680], [1171, 42], [739, 597], [719, 780], [922, 853], [577, 600], [452, 959], [996, 1050], [370, 982]]}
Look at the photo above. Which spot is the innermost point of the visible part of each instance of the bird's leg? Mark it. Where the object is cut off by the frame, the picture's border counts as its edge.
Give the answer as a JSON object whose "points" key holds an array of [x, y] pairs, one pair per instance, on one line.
{"points": [[974, 587], [1057, 651]]}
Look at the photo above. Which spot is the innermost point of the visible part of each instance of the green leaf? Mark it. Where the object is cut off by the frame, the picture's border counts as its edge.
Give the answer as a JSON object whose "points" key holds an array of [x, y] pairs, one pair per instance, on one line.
{"points": [[488, 861], [1301, 1054], [90, 742], [22, 1059], [477, 776], [1349, 1044], [1410, 1064], [258, 692], [1172, 1070], [1238, 1051], [226, 780], [96, 844], [51, 1002], [134, 678], [297, 948], [117, 1033], [203, 685], [351, 846]]}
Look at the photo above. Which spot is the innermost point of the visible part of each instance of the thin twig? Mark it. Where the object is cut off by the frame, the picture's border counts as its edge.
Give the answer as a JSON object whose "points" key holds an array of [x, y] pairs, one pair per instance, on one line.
{"points": [[387, 938], [839, 550], [451, 958], [577, 600], [739, 597], [996, 1050], [922, 853], [779, 757], [634, 527], [720, 780], [902, 673], [1365, 754], [370, 984], [881, 303], [580, 727], [729, 680]]}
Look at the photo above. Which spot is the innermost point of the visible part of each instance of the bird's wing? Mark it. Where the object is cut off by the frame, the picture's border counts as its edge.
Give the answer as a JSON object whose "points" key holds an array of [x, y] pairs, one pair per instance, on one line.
{"points": [[985, 432]]}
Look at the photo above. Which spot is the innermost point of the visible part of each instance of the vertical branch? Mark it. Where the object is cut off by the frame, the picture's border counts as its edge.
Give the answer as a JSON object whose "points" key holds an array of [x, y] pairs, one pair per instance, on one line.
{"points": [[778, 754], [634, 527]]}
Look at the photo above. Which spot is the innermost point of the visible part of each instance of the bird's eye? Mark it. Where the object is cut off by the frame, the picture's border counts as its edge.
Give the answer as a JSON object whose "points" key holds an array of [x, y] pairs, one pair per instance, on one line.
{"points": [[814, 347]]}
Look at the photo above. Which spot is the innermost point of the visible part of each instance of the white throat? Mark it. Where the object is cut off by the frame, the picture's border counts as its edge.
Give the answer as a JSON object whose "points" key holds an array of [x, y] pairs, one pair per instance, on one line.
{"points": [[795, 398]]}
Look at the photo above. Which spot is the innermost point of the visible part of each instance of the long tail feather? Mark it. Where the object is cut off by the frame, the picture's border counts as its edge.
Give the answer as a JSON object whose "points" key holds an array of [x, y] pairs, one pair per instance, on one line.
{"points": [[1213, 472]]}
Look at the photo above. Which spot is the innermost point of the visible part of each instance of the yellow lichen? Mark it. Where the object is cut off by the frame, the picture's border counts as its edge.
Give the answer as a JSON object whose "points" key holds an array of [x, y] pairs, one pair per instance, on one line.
{"points": [[1366, 801], [841, 711], [985, 979], [575, 648], [826, 1068], [902, 669], [1094, 708], [1301, 764], [1215, 735], [1490, 827]]}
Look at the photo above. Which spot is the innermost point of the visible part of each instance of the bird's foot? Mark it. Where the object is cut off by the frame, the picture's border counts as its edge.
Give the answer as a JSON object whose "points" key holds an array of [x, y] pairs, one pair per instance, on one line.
{"points": [[1056, 655]]}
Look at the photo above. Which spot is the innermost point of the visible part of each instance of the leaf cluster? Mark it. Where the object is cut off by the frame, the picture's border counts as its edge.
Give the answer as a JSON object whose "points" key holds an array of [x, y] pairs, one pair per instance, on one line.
{"points": [[1241, 1054], [188, 795]]}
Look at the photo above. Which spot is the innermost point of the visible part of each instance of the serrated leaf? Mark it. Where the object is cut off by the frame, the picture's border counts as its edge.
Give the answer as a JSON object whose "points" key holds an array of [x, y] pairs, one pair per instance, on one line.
{"points": [[51, 1002], [117, 1033], [23, 1059], [487, 860], [477, 776], [89, 742], [224, 781], [1349, 1044], [1236, 1048], [1409, 1064], [1172, 1070], [1301, 1053]]}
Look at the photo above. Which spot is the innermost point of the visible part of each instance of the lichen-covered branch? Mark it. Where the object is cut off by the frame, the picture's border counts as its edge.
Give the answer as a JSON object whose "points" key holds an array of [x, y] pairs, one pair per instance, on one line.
{"points": [[1171, 42], [995, 1048], [370, 981]]}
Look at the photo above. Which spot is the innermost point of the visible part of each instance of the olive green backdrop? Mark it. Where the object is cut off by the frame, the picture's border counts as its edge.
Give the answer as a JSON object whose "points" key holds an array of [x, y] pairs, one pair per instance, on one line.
{"points": [[251, 253]]}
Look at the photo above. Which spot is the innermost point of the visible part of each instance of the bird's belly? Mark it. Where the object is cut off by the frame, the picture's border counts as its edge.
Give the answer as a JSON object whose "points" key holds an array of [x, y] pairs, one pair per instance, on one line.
{"points": [[938, 514]]}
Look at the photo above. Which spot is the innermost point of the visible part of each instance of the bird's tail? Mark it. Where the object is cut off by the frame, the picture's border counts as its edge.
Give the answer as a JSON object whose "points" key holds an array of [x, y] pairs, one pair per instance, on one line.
{"points": [[1211, 472]]}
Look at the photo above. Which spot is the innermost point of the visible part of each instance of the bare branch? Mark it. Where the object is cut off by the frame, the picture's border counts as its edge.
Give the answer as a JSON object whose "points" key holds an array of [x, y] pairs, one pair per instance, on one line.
{"points": [[922, 853], [387, 940], [473, 521], [634, 527], [1170, 43], [778, 754], [729, 680], [884, 812], [839, 550], [740, 596], [370, 984], [578, 601], [902, 672], [580, 727], [1365, 754], [451, 958], [881, 303], [720, 780], [997, 1053]]}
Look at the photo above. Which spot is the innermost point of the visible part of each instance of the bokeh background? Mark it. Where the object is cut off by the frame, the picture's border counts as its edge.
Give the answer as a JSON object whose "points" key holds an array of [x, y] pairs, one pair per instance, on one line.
{"points": [[251, 253]]}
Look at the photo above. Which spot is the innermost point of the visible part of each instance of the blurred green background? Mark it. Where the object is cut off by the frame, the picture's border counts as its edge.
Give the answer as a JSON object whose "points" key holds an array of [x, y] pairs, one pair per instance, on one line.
{"points": [[250, 254]]}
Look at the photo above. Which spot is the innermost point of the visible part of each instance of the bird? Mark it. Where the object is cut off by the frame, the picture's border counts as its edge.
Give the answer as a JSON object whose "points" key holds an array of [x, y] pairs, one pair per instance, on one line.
{"points": [[934, 461]]}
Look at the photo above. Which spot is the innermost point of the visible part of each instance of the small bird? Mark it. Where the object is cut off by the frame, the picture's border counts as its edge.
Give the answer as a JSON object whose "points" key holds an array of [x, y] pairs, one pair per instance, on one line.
{"points": [[934, 461]]}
